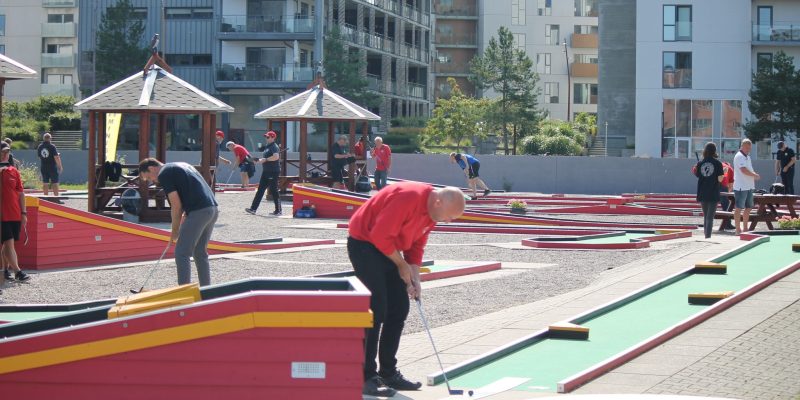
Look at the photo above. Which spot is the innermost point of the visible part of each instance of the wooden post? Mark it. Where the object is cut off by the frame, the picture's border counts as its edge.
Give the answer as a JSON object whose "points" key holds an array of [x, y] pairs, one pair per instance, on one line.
{"points": [[101, 138], [331, 141], [351, 169], [161, 138], [144, 135], [303, 150], [206, 152], [284, 137], [92, 162]]}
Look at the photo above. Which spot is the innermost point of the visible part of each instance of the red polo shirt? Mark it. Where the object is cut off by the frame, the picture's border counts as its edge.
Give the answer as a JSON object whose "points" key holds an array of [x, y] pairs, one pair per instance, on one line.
{"points": [[240, 152], [396, 219], [12, 187], [383, 158]]}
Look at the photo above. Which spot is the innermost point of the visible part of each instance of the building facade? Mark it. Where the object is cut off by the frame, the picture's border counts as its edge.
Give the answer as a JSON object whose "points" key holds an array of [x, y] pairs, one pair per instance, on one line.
{"points": [[456, 42], [42, 36]]}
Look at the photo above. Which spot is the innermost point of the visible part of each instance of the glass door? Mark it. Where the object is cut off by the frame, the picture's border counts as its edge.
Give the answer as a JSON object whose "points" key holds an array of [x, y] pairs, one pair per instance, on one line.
{"points": [[764, 23]]}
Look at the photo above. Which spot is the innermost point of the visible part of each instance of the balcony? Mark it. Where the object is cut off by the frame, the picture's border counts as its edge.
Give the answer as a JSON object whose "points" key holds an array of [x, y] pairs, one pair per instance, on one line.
{"points": [[55, 60], [60, 30], [416, 90], [785, 33], [266, 27], [68, 89], [59, 3], [457, 11], [456, 40], [583, 70], [584, 41], [261, 76]]}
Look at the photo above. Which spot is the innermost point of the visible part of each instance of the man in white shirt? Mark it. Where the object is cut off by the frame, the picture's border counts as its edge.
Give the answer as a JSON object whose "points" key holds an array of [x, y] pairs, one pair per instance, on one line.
{"points": [[744, 184]]}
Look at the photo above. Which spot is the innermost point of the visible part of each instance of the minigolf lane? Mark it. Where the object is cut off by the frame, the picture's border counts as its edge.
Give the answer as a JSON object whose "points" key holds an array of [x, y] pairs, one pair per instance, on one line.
{"points": [[629, 322]]}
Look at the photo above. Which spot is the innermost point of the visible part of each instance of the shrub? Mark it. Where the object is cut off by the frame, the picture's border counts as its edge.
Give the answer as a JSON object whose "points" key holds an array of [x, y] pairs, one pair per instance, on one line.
{"points": [[30, 176], [518, 204], [535, 144], [787, 222]]}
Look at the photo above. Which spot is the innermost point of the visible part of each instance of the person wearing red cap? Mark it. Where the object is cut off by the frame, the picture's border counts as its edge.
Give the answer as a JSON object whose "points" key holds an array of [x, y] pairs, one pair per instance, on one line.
{"points": [[397, 219], [269, 175], [220, 136]]}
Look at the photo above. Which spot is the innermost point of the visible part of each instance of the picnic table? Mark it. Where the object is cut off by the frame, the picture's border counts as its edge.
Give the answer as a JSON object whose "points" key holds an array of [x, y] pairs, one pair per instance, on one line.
{"points": [[766, 209]]}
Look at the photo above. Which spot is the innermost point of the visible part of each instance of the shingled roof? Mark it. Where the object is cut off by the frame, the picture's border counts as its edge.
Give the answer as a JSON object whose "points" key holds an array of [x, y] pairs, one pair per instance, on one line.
{"points": [[318, 103], [158, 90], [11, 69]]}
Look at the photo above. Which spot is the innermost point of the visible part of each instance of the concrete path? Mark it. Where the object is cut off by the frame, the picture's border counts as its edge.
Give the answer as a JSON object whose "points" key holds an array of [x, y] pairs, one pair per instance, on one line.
{"points": [[749, 351]]}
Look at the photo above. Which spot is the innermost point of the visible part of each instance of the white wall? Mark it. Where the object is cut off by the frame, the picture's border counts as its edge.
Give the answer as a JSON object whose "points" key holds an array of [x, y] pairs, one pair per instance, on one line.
{"points": [[234, 7], [721, 58]]}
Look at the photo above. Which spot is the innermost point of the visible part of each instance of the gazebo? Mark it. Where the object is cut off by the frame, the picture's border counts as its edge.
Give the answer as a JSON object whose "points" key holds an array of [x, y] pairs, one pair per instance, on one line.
{"points": [[318, 104], [153, 93], [10, 70]]}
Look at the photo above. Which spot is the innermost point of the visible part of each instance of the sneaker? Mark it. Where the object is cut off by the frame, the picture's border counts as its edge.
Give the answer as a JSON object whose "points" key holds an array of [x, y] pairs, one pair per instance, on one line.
{"points": [[399, 382], [486, 192], [375, 387], [7, 274], [276, 212], [473, 197], [249, 211], [22, 277]]}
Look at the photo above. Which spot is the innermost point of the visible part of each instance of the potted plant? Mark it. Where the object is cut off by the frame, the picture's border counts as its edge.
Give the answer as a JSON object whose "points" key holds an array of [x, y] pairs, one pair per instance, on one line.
{"points": [[518, 206], [787, 222]]}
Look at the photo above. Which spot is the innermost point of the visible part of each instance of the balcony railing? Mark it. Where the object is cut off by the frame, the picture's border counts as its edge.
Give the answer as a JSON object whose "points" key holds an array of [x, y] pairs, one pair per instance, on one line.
{"points": [[416, 90], [463, 10], [62, 30], [67, 89], [55, 60], [267, 24], [263, 72], [777, 33], [59, 3], [376, 41], [679, 78], [584, 70], [461, 39], [584, 41]]}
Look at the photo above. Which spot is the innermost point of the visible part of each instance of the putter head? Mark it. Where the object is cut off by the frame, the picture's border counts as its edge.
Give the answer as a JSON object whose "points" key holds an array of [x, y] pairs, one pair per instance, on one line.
{"points": [[456, 392], [134, 291]]}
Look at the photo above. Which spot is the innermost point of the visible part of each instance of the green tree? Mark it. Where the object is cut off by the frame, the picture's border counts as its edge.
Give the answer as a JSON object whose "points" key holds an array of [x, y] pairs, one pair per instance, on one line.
{"points": [[457, 117], [508, 71], [24, 122], [774, 100], [120, 51], [556, 137], [343, 71]]}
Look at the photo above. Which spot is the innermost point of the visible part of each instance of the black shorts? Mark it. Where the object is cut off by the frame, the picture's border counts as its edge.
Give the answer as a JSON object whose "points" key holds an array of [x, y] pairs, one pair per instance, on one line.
{"points": [[49, 175], [473, 170], [10, 230]]}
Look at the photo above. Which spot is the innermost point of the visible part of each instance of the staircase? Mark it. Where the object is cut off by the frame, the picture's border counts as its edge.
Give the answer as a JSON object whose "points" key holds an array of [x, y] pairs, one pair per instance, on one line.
{"points": [[67, 140], [598, 147]]}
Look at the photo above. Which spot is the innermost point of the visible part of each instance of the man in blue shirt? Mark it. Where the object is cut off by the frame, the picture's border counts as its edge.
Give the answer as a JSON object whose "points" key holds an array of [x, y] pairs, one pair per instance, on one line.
{"points": [[470, 165], [193, 211], [269, 175]]}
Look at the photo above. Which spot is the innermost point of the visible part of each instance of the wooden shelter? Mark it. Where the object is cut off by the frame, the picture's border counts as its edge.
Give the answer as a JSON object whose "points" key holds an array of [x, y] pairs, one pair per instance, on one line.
{"points": [[11, 69], [154, 93], [318, 104]]}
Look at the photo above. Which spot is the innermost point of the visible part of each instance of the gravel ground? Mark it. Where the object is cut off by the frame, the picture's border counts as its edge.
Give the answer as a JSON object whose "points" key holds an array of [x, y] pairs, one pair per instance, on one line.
{"points": [[448, 304]]}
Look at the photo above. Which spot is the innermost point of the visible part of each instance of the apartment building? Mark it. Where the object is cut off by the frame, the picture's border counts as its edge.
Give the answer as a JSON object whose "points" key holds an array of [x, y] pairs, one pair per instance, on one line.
{"points": [[42, 35], [686, 72], [561, 38], [456, 42]]}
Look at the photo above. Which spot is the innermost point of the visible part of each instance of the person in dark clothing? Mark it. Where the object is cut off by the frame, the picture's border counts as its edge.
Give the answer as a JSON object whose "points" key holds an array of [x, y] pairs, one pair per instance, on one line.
{"points": [[269, 175], [784, 167], [341, 158], [193, 210], [50, 164], [709, 174]]}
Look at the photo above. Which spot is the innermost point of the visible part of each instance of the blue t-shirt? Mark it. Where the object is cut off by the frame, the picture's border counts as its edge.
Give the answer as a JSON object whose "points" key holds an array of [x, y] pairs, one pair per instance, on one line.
{"points": [[470, 159], [194, 192]]}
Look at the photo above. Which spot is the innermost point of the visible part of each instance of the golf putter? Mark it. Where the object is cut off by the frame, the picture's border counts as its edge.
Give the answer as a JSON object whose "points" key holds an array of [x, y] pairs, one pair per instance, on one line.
{"points": [[230, 175], [134, 291], [452, 392]]}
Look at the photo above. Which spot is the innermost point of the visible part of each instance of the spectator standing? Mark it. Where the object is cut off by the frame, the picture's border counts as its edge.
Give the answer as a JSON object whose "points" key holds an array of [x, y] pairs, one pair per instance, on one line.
{"points": [[725, 187], [784, 167], [341, 158], [383, 161], [270, 174], [14, 214], [50, 164], [220, 136], [744, 184], [709, 173]]}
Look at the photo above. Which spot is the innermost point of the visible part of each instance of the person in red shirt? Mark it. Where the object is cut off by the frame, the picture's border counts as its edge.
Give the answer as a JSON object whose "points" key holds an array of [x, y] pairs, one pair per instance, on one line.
{"points": [[383, 160], [14, 215], [725, 187], [358, 149], [386, 242], [246, 165]]}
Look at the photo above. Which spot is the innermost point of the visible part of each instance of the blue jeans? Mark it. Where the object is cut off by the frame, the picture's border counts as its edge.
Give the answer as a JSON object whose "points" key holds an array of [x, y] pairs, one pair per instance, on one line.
{"points": [[380, 179], [743, 198]]}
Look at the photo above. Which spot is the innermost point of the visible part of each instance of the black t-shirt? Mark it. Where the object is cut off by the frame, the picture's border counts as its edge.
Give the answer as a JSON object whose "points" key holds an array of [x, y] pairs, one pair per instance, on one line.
{"points": [[272, 166], [337, 149], [785, 156], [708, 171], [47, 154], [194, 192]]}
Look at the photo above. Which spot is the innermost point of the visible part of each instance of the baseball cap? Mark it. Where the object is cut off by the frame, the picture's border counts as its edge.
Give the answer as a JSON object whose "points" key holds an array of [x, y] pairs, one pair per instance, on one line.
{"points": [[4, 146], [780, 145], [271, 134], [229, 144], [220, 134]]}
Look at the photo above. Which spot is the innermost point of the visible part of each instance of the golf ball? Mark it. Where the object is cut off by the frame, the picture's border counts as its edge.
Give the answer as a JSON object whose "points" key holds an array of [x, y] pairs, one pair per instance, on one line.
{"points": [[469, 393]]}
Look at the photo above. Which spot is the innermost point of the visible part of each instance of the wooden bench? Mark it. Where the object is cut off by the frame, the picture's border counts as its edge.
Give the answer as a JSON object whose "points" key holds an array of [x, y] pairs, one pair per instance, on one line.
{"points": [[754, 219]]}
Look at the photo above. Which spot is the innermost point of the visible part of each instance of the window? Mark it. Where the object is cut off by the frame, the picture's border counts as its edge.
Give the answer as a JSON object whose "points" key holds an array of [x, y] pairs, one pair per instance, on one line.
{"points": [[188, 59], [543, 63], [586, 8], [519, 40], [763, 61], [677, 71], [139, 13], [585, 93], [586, 58], [189, 13], [551, 35], [551, 92], [518, 12], [585, 29], [58, 79], [545, 7], [677, 23], [683, 118], [2, 49], [2, 25], [59, 18], [732, 119], [58, 49], [702, 115]]}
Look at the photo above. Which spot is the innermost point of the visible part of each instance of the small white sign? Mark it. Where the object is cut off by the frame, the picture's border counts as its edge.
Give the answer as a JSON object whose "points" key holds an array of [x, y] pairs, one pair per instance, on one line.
{"points": [[306, 201], [98, 238], [349, 207], [308, 370], [49, 225]]}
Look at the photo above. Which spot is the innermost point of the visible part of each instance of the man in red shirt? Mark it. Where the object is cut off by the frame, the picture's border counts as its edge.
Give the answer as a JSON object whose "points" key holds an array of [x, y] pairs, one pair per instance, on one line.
{"points": [[397, 219], [383, 160], [724, 187], [246, 165], [14, 215]]}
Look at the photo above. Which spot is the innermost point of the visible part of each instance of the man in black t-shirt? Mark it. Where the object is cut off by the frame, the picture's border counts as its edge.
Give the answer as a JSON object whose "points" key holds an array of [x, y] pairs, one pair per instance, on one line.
{"points": [[341, 157], [50, 164], [193, 211], [784, 166], [269, 175]]}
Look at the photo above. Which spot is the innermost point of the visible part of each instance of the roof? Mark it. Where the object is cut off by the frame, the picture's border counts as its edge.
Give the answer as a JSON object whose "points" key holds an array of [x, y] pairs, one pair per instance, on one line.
{"points": [[318, 103], [12, 69], [158, 90]]}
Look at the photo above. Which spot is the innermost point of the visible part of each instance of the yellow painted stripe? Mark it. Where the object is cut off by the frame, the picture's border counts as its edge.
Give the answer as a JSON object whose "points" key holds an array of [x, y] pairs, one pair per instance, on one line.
{"points": [[330, 197], [499, 220], [132, 231], [199, 330]]}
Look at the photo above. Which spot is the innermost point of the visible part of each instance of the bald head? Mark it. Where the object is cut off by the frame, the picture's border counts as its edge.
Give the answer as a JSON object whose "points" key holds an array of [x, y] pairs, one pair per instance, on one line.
{"points": [[446, 204]]}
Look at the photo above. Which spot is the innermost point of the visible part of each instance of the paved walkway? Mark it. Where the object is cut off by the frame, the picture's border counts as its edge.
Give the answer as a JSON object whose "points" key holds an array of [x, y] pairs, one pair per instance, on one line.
{"points": [[749, 351]]}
